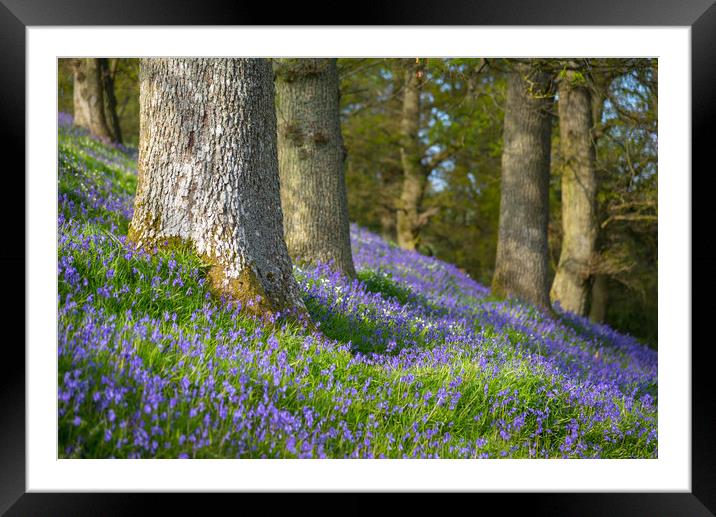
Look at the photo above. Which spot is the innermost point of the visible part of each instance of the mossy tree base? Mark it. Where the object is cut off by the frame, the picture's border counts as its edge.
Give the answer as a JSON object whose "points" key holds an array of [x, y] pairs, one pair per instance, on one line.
{"points": [[210, 182]]}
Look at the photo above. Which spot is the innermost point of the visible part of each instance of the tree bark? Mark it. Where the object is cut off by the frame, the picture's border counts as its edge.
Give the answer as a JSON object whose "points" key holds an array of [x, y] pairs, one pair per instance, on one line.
{"points": [[599, 293], [600, 88], [311, 162], [387, 225], [579, 189], [414, 174], [89, 97], [600, 297], [111, 100], [208, 175], [521, 261]]}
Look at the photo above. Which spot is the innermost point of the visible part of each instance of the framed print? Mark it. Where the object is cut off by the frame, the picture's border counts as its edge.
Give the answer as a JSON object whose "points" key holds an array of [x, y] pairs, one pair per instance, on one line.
{"points": [[47, 468]]}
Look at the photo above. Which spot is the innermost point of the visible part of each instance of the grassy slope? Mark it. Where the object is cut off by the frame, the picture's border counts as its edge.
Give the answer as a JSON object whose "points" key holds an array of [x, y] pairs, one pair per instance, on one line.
{"points": [[413, 359]]}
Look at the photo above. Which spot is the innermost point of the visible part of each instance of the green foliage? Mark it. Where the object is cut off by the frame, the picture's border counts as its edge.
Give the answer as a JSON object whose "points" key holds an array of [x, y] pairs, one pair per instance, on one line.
{"points": [[371, 99], [466, 186], [627, 158]]}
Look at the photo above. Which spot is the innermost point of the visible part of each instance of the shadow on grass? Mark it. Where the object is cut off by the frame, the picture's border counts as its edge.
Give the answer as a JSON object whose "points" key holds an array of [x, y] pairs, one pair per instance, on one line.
{"points": [[367, 336], [363, 336], [383, 284], [588, 332]]}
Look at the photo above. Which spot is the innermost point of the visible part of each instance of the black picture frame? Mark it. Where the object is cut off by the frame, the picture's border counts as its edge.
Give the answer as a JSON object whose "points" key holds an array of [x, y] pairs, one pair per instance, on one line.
{"points": [[700, 15]]}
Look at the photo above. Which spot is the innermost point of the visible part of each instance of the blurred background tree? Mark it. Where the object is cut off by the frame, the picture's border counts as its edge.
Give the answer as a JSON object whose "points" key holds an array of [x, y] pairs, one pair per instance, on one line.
{"points": [[124, 74]]}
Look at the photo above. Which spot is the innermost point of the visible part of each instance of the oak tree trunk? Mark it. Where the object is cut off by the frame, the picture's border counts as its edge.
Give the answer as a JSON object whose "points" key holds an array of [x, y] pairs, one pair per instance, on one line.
{"points": [[414, 175], [111, 100], [521, 261], [387, 225], [579, 189], [599, 294], [311, 162], [208, 175], [600, 297], [88, 97]]}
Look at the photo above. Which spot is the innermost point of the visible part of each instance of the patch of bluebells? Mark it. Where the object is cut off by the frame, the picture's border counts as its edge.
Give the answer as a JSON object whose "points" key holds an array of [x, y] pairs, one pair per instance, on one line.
{"points": [[66, 127], [150, 365]]}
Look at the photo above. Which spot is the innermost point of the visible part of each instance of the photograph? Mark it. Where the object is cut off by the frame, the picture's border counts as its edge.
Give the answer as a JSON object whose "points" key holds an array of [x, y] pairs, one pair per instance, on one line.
{"points": [[435, 248], [357, 257]]}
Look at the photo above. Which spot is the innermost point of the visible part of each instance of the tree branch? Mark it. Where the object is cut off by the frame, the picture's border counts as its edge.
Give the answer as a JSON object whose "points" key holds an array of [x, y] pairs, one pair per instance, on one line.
{"points": [[425, 216], [643, 218]]}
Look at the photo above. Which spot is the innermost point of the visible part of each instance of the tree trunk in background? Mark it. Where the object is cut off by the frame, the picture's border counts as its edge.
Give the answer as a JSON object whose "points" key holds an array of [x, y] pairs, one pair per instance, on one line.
{"points": [[600, 296], [655, 97], [311, 162], [579, 189], [600, 87], [521, 260], [414, 176], [387, 200], [111, 104], [208, 175], [387, 225], [89, 97]]}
